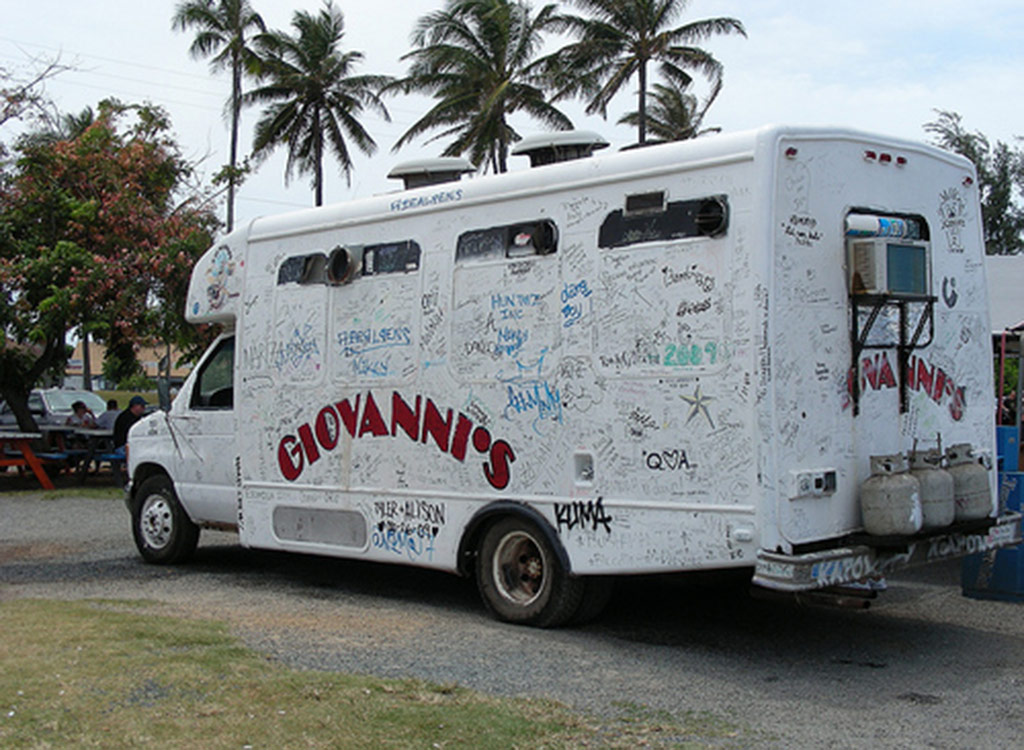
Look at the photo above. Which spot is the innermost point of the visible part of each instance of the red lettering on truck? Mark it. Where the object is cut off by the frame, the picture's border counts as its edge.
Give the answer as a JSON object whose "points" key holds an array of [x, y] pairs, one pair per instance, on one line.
{"points": [[421, 420]]}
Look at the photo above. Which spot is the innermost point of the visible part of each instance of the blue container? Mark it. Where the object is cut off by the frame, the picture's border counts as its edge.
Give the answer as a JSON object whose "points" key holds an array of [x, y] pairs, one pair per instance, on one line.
{"points": [[1008, 447], [998, 574]]}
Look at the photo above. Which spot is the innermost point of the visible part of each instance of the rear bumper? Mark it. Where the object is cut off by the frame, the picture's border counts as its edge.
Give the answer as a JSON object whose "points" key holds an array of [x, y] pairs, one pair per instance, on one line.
{"points": [[862, 556]]}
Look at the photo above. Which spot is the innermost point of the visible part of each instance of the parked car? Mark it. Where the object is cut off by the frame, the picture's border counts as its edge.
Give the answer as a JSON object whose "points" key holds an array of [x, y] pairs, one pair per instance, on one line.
{"points": [[52, 406]]}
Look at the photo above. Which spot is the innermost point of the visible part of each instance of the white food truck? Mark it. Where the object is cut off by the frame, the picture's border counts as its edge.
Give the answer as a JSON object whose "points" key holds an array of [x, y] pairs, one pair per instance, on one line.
{"points": [[676, 358]]}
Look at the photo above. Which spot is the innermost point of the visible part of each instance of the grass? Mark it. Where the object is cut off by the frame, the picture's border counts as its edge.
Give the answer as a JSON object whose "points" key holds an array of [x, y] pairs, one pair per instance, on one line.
{"points": [[118, 674], [10, 484], [123, 397]]}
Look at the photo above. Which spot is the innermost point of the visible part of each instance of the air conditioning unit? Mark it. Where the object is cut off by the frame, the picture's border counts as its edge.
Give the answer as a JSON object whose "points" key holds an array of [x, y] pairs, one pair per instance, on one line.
{"points": [[889, 266]]}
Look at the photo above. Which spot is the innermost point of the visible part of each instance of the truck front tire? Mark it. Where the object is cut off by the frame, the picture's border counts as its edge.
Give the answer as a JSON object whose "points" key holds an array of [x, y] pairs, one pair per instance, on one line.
{"points": [[164, 534], [521, 578]]}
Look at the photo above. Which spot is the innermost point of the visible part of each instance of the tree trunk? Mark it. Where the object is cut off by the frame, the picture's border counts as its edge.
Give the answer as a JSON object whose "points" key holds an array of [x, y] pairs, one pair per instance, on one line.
{"points": [[236, 108], [318, 175], [642, 105], [86, 362], [17, 402], [503, 147]]}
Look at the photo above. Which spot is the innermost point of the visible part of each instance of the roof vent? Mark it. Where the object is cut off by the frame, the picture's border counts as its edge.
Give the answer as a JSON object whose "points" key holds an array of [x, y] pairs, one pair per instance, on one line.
{"points": [[423, 172], [564, 145]]}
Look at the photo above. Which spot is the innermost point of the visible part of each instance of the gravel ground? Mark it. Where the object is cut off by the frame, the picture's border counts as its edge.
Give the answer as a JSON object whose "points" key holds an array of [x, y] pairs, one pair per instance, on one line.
{"points": [[923, 668]]}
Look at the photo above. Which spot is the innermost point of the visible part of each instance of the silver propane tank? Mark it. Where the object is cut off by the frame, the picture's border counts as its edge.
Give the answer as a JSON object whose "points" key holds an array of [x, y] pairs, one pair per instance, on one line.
{"points": [[938, 508], [890, 499], [971, 491]]}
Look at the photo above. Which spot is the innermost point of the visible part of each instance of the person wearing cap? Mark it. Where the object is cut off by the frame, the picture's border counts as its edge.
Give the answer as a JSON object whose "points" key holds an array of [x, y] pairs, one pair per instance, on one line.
{"points": [[125, 420]]}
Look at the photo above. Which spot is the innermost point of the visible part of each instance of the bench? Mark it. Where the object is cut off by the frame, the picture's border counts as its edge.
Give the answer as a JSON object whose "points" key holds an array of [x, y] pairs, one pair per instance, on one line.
{"points": [[116, 461]]}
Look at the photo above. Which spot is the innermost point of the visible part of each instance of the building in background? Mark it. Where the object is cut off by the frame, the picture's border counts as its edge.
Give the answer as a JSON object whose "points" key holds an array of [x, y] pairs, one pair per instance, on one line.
{"points": [[149, 359]]}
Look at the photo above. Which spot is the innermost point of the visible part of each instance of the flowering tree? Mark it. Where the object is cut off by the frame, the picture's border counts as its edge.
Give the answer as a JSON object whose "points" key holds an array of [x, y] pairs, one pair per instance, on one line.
{"points": [[92, 235]]}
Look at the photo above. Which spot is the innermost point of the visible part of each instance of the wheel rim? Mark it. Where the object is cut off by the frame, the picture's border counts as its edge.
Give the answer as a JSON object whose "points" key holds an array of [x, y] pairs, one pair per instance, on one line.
{"points": [[156, 522], [519, 568]]}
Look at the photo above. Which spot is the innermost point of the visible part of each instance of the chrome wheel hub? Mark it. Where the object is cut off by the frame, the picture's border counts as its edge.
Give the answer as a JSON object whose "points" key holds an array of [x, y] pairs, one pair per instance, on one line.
{"points": [[156, 522]]}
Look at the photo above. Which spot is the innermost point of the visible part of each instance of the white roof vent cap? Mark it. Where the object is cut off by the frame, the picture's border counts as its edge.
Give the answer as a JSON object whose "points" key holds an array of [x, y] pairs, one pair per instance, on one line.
{"points": [[562, 145], [422, 172]]}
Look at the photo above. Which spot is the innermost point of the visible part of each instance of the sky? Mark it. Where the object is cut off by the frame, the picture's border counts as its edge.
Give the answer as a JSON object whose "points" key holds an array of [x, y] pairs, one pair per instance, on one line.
{"points": [[878, 65]]}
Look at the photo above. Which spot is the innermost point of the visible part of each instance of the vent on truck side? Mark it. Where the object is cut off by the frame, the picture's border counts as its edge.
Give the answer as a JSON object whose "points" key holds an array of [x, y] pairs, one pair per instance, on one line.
{"points": [[564, 145], [423, 172]]}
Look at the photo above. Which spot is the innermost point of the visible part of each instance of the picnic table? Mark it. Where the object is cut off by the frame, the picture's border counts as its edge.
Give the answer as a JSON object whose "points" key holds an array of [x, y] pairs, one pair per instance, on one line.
{"points": [[99, 446], [16, 450], [56, 434]]}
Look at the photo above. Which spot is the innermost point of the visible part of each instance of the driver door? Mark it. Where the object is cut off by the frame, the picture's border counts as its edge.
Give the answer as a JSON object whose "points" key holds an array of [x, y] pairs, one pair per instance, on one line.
{"points": [[209, 453]]}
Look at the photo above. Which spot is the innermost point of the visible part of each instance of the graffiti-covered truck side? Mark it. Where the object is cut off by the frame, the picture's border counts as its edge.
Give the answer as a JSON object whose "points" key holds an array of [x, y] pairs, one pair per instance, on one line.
{"points": [[685, 357]]}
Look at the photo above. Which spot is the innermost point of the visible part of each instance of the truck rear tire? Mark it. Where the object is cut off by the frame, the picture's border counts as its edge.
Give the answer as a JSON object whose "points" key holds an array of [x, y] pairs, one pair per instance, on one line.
{"points": [[596, 595], [164, 534], [521, 578]]}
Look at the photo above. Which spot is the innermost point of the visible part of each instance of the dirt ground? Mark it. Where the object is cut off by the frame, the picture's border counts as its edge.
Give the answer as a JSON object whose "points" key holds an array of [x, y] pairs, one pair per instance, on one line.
{"points": [[925, 667]]}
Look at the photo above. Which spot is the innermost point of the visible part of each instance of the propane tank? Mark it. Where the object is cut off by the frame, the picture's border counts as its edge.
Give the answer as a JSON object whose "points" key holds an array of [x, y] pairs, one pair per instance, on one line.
{"points": [[937, 505], [890, 499], [971, 491]]}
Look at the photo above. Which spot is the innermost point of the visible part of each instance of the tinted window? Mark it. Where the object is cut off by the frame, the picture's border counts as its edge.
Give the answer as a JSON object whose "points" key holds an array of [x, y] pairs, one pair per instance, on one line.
{"points": [[508, 241], [303, 269], [386, 257], [647, 219], [391, 257]]}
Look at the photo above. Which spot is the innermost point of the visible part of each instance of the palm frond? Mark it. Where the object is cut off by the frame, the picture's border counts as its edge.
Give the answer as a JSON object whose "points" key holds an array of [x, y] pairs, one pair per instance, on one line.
{"points": [[616, 40], [477, 59], [312, 100]]}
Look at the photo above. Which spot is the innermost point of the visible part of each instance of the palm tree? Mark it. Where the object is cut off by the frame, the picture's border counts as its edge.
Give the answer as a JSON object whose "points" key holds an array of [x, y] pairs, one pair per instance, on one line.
{"points": [[71, 125], [619, 38], [477, 59], [313, 99], [57, 126], [223, 29], [673, 114]]}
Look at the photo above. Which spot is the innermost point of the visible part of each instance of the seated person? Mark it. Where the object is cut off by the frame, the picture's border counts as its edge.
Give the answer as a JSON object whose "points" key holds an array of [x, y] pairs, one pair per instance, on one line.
{"points": [[81, 416], [106, 419], [125, 420]]}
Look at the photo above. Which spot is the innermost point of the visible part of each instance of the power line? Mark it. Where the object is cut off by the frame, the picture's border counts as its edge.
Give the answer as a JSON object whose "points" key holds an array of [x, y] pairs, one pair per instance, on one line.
{"points": [[146, 97], [150, 82], [130, 63]]}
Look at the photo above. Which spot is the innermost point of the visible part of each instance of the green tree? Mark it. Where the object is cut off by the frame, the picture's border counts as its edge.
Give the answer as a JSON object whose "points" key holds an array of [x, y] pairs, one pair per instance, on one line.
{"points": [[673, 113], [1000, 180], [59, 127], [92, 229], [224, 29], [313, 101], [477, 58], [619, 39]]}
